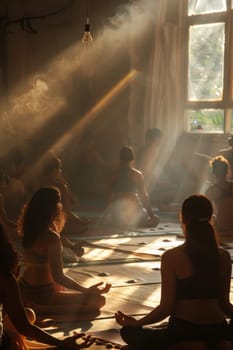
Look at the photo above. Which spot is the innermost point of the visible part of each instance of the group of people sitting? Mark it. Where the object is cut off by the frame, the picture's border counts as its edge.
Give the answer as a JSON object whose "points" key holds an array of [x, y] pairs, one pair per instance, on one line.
{"points": [[195, 276], [195, 287], [128, 202], [40, 284]]}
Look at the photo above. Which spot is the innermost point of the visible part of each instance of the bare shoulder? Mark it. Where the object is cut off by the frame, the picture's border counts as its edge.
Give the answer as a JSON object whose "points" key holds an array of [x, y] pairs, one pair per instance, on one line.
{"points": [[172, 259], [52, 237], [173, 253]]}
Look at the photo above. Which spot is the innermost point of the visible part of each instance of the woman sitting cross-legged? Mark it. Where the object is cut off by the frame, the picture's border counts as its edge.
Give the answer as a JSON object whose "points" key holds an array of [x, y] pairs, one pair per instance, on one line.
{"points": [[15, 320], [43, 283], [195, 288]]}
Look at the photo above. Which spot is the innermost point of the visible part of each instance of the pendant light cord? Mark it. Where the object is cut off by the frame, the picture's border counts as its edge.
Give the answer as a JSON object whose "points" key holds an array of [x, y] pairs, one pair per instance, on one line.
{"points": [[88, 10]]}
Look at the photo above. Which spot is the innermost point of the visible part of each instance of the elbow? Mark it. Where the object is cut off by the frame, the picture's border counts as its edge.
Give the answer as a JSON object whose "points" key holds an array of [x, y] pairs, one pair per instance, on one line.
{"points": [[164, 311], [167, 310], [59, 278]]}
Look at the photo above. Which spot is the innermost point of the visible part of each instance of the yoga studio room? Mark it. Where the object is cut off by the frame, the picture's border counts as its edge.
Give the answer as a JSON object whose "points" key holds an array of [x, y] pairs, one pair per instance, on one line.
{"points": [[116, 174]]}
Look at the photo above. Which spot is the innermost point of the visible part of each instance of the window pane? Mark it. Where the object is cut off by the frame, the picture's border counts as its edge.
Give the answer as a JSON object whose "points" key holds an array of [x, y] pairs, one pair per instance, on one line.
{"points": [[206, 60], [206, 120], [196, 7]]}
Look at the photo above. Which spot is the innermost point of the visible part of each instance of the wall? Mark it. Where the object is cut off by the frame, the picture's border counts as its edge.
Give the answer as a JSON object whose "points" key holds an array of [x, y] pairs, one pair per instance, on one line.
{"points": [[51, 81], [56, 94]]}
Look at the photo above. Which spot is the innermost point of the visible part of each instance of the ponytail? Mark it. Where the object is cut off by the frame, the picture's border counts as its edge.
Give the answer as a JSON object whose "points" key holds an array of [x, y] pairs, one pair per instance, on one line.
{"points": [[201, 244], [202, 248]]}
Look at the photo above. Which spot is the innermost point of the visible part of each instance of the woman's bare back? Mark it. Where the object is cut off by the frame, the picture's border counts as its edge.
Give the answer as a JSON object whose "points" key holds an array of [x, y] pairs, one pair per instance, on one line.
{"points": [[197, 310]]}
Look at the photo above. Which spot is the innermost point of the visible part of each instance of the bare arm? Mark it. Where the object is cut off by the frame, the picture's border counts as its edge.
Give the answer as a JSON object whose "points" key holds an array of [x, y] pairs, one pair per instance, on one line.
{"points": [[56, 265], [167, 301], [143, 194], [15, 310]]}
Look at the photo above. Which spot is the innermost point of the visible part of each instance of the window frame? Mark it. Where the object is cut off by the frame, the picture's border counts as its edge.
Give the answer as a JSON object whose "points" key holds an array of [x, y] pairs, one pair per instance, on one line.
{"points": [[226, 104]]}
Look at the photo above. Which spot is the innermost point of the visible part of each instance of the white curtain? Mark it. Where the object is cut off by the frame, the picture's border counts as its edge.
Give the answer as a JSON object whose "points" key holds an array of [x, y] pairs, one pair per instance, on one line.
{"points": [[162, 105]]}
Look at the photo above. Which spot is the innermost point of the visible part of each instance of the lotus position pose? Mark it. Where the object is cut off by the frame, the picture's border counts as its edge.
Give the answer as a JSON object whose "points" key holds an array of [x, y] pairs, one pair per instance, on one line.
{"points": [[16, 323], [130, 203], [195, 288], [43, 283]]}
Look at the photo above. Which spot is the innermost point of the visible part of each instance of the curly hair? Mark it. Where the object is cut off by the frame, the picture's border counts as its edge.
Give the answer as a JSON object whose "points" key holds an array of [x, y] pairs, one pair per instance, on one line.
{"points": [[220, 166], [41, 213]]}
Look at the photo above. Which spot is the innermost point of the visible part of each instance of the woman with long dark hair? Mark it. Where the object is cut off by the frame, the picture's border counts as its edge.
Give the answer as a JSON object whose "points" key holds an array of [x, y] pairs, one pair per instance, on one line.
{"points": [[43, 282], [195, 287], [14, 319]]}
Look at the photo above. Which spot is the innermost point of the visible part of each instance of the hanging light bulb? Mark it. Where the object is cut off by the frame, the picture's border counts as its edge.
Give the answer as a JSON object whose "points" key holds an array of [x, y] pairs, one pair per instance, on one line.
{"points": [[87, 37]]}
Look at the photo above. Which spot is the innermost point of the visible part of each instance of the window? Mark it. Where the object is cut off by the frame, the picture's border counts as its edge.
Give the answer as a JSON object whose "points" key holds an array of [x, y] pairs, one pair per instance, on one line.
{"points": [[206, 57], [209, 88], [196, 7]]}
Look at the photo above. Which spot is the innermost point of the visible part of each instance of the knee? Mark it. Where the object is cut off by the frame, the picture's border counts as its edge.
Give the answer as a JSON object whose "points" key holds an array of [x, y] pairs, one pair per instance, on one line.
{"points": [[127, 333], [101, 301], [124, 333], [95, 302]]}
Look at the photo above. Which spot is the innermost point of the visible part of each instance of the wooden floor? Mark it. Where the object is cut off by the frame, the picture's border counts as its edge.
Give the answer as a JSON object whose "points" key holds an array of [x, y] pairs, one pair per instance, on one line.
{"points": [[130, 261]]}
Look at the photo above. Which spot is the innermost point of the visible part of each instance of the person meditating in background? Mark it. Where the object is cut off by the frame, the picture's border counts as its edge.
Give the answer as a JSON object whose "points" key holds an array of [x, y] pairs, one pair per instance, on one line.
{"points": [[129, 205], [194, 291], [52, 175], [228, 154], [43, 283], [221, 195], [15, 320]]}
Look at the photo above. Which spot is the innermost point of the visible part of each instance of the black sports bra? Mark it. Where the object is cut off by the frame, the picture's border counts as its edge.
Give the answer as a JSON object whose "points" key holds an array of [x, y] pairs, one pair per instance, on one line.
{"points": [[191, 288]]}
